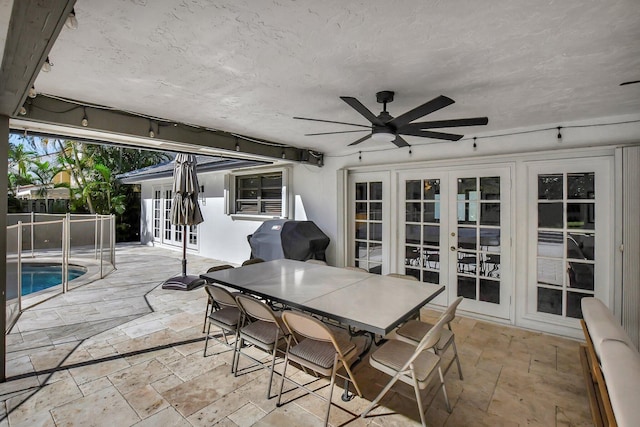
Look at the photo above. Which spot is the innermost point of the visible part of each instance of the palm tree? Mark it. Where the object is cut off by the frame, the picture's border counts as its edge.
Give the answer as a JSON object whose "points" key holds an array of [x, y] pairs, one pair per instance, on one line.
{"points": [[43, 174]]}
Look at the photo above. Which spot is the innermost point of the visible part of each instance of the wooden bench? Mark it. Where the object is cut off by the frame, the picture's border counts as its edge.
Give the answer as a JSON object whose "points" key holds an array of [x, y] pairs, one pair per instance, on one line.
{"points": [[611, 366]]}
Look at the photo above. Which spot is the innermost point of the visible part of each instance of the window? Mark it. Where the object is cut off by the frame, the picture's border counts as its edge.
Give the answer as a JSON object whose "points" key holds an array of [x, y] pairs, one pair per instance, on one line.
{"points": [[261, 194]]}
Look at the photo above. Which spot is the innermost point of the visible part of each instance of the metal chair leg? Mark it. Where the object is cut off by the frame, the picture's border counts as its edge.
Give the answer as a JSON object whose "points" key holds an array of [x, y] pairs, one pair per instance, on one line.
{"points": [[444, 390], [416, 389], [455, 350]]}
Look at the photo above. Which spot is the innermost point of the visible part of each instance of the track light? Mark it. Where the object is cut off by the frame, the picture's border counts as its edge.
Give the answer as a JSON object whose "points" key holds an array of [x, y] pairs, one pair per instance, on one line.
{"points": [[72, 21], [46, 67], [85, 120], [32, 92]]}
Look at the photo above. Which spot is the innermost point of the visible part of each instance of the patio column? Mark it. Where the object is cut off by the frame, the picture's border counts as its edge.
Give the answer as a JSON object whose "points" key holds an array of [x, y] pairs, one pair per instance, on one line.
{"points": [[4, 160]]}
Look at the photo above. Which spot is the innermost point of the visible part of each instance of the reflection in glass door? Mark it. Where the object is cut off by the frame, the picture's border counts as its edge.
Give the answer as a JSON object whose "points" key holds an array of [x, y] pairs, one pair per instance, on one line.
{"points": [[565, 242], [368, 227], [422, 229], [479, 257], [455, 233]]}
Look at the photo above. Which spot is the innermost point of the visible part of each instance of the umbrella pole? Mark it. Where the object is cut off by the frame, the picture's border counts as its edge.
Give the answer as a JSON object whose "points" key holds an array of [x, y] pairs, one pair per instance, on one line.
{"points": [[184, 250]]}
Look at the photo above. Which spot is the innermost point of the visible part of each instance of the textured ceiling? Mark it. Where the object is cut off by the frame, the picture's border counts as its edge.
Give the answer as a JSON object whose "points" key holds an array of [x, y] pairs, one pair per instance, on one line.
{"points": [[249, 66]]}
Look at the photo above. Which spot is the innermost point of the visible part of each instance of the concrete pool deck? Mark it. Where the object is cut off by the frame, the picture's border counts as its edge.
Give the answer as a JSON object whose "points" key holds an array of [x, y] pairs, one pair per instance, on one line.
{"points": [[123, 351]]}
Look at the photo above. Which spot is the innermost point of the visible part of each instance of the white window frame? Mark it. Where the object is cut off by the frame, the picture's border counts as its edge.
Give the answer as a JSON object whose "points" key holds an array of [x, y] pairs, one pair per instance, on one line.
{"points": [[603, 231], [231, 193]]}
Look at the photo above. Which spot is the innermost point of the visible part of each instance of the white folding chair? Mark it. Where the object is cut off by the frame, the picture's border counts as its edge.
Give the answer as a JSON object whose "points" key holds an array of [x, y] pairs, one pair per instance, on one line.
{"points": [[225, 315], [263, 328], [410, 364], [322, 350], [414, 330]]}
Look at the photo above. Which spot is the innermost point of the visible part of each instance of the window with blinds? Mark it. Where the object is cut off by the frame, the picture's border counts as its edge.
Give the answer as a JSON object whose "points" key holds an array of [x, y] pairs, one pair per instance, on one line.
{"points": [[259, 194]]}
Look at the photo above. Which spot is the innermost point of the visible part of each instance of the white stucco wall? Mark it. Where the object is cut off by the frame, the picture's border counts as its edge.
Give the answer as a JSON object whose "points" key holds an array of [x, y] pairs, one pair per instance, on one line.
{"points": [[316, 192], [220, 236]]}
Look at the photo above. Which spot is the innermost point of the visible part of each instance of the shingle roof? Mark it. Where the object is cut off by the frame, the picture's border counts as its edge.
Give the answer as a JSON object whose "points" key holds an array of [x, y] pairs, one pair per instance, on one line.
{"points": [[205, 164]]}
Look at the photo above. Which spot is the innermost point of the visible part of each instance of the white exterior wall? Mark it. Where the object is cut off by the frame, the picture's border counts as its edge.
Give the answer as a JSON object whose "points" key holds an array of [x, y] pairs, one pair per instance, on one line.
{"points": [[318, 187], [317, 194], [316, 191], [220, 236]]}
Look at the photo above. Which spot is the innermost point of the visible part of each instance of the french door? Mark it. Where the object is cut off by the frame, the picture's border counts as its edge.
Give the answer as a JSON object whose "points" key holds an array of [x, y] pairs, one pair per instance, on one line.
{"points": [[163, 230], [456, 231], [369, 226]]}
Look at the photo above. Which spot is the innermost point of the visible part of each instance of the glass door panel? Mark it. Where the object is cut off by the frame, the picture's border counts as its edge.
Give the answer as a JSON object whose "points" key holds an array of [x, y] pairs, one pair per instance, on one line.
{"points": [[422, 229], [368, 221], [452, 232], [566, 242], [479, 248]]}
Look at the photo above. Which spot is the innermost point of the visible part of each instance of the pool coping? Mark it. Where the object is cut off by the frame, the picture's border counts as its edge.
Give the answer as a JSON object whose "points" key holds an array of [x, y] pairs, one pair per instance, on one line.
{"points": [[93, 273]]}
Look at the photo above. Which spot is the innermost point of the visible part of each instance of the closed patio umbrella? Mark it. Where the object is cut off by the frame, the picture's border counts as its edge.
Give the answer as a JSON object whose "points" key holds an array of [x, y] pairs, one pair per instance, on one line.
{"points": [[185, 211]]}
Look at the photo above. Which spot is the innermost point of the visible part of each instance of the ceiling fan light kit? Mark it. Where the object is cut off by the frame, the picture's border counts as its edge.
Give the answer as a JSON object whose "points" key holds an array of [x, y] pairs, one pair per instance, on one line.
{"points": [[386, 128]]}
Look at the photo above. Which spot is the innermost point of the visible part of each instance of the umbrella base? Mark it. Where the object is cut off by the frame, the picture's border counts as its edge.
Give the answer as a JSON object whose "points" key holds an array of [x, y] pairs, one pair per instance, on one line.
{"points": [[183, 283]]}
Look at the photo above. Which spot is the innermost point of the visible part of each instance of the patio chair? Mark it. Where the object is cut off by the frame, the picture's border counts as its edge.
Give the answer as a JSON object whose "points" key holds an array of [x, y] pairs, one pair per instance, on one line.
{"points": [[321, 350], [404, 276], [413, 331], [410, 364], [252, 261], [209, 298], [225, 316], [263, 328], [316, 261]]}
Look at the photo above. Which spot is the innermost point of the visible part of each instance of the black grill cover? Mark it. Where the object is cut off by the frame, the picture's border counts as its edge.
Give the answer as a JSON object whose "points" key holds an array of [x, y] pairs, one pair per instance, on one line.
{"points": [[282, 238]]}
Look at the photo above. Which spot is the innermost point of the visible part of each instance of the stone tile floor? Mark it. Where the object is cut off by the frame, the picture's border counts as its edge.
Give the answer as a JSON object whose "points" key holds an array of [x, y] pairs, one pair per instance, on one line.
{"points": [[122, 352]]}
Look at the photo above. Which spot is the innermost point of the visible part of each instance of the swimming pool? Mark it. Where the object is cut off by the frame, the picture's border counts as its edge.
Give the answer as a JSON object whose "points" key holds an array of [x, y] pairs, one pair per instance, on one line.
{"points": [[36, 276]]}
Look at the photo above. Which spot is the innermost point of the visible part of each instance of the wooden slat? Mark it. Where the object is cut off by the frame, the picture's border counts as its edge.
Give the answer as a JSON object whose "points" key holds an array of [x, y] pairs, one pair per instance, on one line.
{"points": [[604, 416]]}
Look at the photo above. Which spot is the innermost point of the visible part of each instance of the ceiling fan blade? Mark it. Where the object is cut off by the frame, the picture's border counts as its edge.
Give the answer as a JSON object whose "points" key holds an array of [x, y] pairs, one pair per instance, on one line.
{"points": [[333, 133], [364, 138], [427, 108], [331, 121], [364, 111], [429, 134], [472, 121], [400, 142]]}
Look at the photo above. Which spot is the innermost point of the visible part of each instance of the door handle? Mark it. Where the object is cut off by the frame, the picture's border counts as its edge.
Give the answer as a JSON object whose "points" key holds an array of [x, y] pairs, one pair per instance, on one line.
{"points": [[453, 248]]}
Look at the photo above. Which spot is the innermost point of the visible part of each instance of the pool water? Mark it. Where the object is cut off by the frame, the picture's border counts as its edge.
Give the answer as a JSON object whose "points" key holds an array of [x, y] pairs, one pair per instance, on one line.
{"points": [[36, 277]]}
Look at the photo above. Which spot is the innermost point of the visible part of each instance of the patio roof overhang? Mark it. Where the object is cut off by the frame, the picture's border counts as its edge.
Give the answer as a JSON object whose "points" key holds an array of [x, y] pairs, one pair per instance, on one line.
{"points": [[33, 29]]}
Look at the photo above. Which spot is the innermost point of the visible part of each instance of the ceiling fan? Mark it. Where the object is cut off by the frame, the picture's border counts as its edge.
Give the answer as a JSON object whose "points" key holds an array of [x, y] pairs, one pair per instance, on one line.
{"points": [[385, 127]]}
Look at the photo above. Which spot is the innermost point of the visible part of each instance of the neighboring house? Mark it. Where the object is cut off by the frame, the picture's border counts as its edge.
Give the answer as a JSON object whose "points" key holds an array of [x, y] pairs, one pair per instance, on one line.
{"points": [[235, 197]]}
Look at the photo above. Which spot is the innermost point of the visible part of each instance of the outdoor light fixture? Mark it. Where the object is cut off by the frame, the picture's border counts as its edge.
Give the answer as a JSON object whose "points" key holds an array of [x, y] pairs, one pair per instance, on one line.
{"points": [[382, 135], [72, 21], [85, 120], [23, 111], [46, 67], [152, 134], [32, 92]]}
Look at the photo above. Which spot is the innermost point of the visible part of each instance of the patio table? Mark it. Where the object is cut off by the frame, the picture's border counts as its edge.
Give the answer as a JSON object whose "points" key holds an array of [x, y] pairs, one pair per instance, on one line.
{"points": [[364, 301]]}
